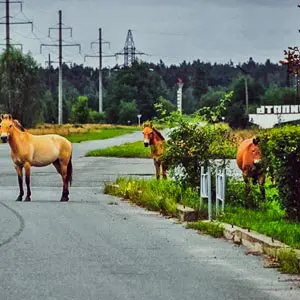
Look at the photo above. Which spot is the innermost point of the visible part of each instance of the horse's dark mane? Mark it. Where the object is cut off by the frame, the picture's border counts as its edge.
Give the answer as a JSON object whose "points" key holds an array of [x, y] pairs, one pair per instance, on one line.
{"points": [[19, 126], [158, 133]]}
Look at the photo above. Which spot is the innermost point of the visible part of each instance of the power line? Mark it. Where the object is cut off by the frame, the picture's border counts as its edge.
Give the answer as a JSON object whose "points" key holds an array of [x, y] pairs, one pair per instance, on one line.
{"points": [[8, 21], [60, 46]]}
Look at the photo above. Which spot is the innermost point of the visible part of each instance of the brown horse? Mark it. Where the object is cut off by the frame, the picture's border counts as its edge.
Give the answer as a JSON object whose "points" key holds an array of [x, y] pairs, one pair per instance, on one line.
{"points": [[29, 150], [156, 141], [249, 161]]}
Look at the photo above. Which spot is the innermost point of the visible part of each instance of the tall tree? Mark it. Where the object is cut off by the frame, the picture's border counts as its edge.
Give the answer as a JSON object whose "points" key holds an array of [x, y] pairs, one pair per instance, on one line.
{"points": [[21, 87]]}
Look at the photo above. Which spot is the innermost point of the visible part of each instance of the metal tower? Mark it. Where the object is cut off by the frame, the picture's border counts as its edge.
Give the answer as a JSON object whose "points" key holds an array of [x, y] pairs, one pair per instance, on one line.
{"points": [[129, 50]]}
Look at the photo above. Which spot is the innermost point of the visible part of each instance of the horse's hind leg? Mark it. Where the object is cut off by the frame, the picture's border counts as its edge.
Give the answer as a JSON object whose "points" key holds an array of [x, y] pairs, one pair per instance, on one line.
{"points": [[20, 181], [27, 180], [62, 170]]}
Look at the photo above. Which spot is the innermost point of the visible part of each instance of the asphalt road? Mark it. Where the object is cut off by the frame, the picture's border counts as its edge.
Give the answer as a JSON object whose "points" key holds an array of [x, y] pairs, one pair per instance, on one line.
{"points": [[90, 248]]}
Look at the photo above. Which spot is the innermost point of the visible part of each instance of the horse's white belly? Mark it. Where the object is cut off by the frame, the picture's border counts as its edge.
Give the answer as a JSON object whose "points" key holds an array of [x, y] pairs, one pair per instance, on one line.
{"points": [[42, 158]]}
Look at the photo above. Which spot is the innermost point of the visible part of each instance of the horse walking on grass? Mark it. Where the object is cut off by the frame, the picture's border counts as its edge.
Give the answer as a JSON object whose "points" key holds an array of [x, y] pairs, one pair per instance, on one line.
{"points": [[154, 139], [29, 150]]}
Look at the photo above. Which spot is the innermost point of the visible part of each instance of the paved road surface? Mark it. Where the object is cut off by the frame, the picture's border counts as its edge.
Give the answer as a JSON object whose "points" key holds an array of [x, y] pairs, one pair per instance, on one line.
{"points": [[91, 249]]}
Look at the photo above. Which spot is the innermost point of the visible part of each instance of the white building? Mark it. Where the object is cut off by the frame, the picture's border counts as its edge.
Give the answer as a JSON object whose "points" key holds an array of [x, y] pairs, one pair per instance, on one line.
{"points": [[269, 115]]}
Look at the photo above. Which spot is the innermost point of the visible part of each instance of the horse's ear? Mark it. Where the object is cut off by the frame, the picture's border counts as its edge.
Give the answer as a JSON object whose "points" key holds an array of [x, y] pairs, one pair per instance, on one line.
{"points": [[256, 140], [2, 116], [9, 117]]}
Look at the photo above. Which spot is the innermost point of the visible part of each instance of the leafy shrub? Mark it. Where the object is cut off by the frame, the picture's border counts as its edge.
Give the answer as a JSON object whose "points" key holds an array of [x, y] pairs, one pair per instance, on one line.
{"points": [[281, 155], [96, 117], [191, 144]]}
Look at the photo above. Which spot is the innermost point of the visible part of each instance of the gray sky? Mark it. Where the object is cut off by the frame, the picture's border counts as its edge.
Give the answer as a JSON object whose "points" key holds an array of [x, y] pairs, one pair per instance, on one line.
{"points": [[173, 30]]}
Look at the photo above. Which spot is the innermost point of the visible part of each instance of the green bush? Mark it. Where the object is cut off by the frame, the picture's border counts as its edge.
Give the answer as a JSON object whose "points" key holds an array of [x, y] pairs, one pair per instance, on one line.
{"points": [[281, 155], [96, 117], [191, 144]]}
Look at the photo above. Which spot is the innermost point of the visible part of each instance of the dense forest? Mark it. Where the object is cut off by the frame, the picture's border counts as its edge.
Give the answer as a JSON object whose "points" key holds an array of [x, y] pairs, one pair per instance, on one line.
{"points": [[30, 92]]}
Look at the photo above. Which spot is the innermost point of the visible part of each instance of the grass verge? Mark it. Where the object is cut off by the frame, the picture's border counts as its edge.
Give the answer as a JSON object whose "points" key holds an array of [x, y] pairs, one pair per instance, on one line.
{"points": [[135, 150], [214, 229], [269, 221], [102, 134], [162, 195]]}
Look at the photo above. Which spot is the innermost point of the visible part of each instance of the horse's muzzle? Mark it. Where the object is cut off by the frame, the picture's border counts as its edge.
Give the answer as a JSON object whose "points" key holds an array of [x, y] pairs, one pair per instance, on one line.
{"points": [[146, 144], [4, 139]]}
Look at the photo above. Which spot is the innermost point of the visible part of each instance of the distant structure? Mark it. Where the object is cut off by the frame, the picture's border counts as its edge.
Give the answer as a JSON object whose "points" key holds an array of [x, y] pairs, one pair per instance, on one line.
{"points": [[129, 50], [268, 116]]}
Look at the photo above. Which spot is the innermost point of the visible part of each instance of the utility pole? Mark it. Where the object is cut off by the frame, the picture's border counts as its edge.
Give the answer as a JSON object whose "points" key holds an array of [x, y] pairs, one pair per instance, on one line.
{"points": [[246, 89], [100, 55], [8, 22], [60, 46]]}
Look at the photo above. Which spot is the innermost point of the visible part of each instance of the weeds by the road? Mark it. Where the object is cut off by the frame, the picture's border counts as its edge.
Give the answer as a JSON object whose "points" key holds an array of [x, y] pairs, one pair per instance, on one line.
{"points": [[214, 229], [135, 149], [163, 195]]}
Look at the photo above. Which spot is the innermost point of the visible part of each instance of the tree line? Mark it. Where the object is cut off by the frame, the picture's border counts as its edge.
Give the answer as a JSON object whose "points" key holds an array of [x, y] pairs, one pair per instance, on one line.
{"points": [[30, 92]]}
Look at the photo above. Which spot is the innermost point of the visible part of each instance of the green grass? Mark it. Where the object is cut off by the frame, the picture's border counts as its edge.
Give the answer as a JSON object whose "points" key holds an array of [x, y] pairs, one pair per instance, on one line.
{"points": [[101, 134], [157, 195], [270, 222], [136, 149], [214, 229]]}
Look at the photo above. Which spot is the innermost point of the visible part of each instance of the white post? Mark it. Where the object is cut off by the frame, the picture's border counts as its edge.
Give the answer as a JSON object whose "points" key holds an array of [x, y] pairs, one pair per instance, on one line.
{"points": [[139, 118], [179, 95]]}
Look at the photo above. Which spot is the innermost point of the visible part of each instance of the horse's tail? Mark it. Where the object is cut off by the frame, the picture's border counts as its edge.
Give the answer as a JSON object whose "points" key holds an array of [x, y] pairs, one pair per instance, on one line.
{"points": [[70, 171]]}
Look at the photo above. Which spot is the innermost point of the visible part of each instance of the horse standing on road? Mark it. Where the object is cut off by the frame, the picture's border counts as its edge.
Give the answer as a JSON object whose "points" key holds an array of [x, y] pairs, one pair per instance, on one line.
{"points": [[154, 139], [29, 150]]}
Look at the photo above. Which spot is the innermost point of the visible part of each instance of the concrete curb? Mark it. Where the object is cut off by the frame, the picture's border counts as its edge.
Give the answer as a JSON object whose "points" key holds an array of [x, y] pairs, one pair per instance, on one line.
{"points": [[255, 242]]}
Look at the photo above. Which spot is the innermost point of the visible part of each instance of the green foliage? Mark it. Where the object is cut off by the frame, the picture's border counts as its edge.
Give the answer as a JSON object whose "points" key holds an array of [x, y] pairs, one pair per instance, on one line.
{"points": [[279, 96], [80, 111], [281, 155], [163, 107], [96, 117], [214, 229], [215, 113], [128, 112], [136, 149], [156, 195], [21, 87], [191, 144], [289, 262]]}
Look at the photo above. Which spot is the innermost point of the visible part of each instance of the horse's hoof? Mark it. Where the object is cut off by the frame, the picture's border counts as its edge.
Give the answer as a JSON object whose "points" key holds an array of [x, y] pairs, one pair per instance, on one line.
{"points": [[64, 199], [19, 198], [27, 199]]}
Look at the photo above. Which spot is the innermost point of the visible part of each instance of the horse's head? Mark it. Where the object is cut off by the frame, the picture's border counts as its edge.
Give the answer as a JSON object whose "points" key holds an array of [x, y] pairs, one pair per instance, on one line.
{"points": [[6, 127], [255, 151], [148, 134]]}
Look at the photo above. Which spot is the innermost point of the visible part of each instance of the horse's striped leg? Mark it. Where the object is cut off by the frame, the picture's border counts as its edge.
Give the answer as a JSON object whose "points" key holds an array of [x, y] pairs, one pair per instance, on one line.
{"points": [[27, 180], [20, 181]]}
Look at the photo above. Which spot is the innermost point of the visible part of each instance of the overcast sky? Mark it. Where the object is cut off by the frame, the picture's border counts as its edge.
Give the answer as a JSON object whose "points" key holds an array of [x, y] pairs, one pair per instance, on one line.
{"points": [[171, 30]]}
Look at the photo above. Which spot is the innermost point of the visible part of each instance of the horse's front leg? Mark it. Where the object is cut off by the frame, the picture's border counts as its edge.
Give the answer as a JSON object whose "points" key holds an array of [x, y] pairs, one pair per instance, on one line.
{"points": [[157, 168], [27, 167], [20, 181]]}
